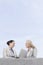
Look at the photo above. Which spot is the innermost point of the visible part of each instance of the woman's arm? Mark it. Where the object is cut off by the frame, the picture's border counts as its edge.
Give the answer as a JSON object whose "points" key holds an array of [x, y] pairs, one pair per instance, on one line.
{"points": [[35, 52]]}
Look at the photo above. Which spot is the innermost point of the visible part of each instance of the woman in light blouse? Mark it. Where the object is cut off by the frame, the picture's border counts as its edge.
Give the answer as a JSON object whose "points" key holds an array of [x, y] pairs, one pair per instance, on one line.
{"points": [[9, 52], [31, 49]]}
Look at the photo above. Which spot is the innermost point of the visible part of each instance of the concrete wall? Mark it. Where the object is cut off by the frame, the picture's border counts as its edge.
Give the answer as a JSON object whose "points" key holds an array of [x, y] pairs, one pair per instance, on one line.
{"points": [[21, 61]]}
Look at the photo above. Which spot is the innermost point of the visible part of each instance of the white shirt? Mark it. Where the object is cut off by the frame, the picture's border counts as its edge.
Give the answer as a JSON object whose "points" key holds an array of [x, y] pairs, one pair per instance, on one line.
{"points": [[32, 52], [9, 53]]}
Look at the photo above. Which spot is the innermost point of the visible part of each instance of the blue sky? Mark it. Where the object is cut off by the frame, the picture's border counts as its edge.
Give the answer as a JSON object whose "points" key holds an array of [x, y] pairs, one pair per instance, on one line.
{"points": [[21, 20]]}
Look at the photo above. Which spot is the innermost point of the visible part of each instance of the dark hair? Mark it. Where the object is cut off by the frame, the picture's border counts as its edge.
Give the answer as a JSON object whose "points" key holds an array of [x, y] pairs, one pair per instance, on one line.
{"points": [[10, 41]]}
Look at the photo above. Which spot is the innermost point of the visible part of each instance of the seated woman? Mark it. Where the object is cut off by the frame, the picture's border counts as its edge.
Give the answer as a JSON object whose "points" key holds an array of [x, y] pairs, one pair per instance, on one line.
{"points": [[31, 49], [9, 52]]}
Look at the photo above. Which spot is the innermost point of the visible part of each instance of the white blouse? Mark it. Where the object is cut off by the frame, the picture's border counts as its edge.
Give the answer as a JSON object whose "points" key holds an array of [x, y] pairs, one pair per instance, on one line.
{"points": [[32, 52], [8, 53]]}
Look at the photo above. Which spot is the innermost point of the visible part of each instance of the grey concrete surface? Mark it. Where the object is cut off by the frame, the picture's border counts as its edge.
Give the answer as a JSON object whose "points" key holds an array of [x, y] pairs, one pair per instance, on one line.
{"points": [[24, 61]]}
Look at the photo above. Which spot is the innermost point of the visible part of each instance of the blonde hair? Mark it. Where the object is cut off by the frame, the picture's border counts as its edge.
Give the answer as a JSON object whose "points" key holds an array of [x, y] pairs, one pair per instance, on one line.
{"points": [[30, 43]]}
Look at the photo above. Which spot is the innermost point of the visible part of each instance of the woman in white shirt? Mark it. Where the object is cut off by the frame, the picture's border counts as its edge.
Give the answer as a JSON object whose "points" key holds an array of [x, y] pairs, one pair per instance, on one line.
{"points": [[9, 52], [32, 50]]}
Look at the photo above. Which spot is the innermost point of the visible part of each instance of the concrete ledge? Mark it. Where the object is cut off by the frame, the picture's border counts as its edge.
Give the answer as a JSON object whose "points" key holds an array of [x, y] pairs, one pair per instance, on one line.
{"points": [[31, 61]]}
